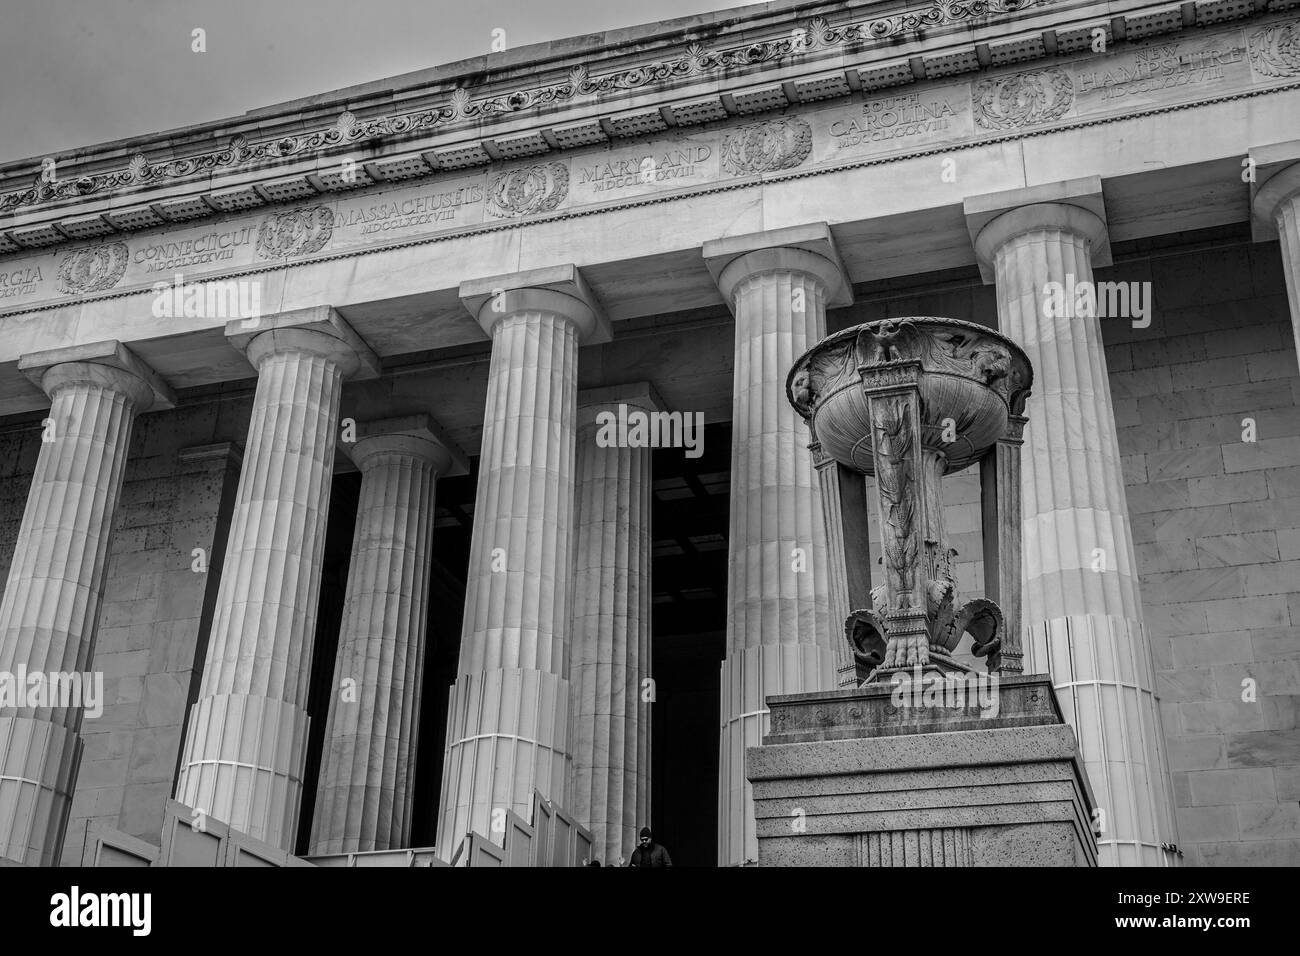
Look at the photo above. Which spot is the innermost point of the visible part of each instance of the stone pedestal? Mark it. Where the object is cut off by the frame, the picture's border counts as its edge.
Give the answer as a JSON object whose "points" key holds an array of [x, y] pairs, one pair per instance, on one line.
{"points": [[780, 635], [849, 778], [246, 741], [367, 776], [509, 722], [51, 600]]}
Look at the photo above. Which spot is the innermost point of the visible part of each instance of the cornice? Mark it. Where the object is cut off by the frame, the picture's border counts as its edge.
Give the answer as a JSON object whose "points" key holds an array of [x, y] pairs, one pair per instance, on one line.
{"points": [[245, 173]]}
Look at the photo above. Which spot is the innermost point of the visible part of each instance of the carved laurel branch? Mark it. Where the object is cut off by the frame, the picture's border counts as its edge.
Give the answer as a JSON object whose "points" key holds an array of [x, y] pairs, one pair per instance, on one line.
{"points": [[462, 105], [895, 485]]}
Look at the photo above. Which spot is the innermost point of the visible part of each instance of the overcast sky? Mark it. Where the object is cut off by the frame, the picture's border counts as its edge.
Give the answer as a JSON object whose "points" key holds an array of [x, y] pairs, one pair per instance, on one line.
{"points": [[78, 72]]}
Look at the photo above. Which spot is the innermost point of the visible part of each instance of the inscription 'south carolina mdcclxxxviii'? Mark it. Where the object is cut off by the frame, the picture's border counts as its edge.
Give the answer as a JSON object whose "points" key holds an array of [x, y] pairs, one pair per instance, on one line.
{"points": [[93, 269]]}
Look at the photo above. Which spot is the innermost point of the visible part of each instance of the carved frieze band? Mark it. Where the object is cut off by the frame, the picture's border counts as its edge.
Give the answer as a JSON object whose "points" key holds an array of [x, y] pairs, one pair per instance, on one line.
{"points": [[818, 35], [1146, 77]]}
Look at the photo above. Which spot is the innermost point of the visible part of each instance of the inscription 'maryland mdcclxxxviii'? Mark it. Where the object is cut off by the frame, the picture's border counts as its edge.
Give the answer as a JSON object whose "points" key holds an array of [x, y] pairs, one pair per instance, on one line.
{"points": [[646, 168]]}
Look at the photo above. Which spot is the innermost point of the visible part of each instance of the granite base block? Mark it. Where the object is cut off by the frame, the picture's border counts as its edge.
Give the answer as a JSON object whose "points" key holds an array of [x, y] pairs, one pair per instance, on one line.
{"points": [[849, 778]]}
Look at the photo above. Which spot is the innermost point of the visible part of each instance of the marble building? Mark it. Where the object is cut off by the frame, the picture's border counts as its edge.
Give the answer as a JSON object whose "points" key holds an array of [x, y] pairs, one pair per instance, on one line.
{"points": [[300, 423]]}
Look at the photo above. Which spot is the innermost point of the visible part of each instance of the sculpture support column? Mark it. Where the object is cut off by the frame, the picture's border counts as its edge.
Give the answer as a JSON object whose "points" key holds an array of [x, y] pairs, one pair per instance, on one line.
{"points": [[1000, 524], [1082, 611], [611, 626], [1276, 214], [246, 740], [780, 636], [508, 723], [844, 509], [49, 612], [367, 776]]}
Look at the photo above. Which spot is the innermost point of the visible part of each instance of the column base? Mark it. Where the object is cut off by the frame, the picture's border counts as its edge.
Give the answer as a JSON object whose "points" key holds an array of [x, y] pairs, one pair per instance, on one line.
{"points": [[507, 718], [252, 781], [882, 777], [38, 771]]}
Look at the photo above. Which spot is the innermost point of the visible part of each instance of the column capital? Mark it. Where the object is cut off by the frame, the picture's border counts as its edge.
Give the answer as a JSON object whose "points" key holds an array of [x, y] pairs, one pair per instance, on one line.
{"points": [[1277, 178], [809, 249], [640, 395], [558, 289], [318, 330], [1074, 205], [416, 435], [110, 364]]}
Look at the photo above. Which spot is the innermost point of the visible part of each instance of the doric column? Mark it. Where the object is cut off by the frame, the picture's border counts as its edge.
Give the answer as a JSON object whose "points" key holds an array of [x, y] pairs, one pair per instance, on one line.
{"points": [[780, 635], [51, 601], [1275, 207], [247, 735], [508, 723], [1081, 611], [367, 775], [611, 623]]}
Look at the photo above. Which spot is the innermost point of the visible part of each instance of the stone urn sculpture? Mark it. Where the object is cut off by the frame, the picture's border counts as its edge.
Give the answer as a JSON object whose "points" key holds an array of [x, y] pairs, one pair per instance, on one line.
{"points": [[908, 401]]}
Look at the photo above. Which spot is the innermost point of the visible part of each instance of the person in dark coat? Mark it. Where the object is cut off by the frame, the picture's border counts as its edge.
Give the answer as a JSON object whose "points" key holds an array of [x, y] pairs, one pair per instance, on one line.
{"points": [[650, 853]]}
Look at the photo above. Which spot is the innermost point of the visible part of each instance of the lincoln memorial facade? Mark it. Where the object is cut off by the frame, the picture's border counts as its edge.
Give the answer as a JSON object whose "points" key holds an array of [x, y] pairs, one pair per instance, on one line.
{"points": [[418, 456]]}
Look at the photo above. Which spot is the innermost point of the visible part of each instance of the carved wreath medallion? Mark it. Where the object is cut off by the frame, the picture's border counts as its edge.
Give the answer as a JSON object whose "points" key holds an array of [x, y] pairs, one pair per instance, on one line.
{"points": [[1022, 99], [527, 191], [298, 232], [93, 269], [1275, 50], [765, 147]]}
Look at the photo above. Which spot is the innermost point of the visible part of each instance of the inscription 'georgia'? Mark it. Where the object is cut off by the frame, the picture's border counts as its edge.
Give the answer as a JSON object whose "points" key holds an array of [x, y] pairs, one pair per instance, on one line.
{"points": [[434, 207], [898, 116], [649, 168], [19, 281]]}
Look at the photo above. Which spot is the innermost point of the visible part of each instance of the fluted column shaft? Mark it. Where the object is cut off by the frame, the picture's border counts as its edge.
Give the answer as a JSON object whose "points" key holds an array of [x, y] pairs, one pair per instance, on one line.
{"points": [[51, 601], [779, 632], [245, 744], [611, 636], [367, 776], [1278, 202], [1287, 218], [509, 722], [1082, 611]]}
